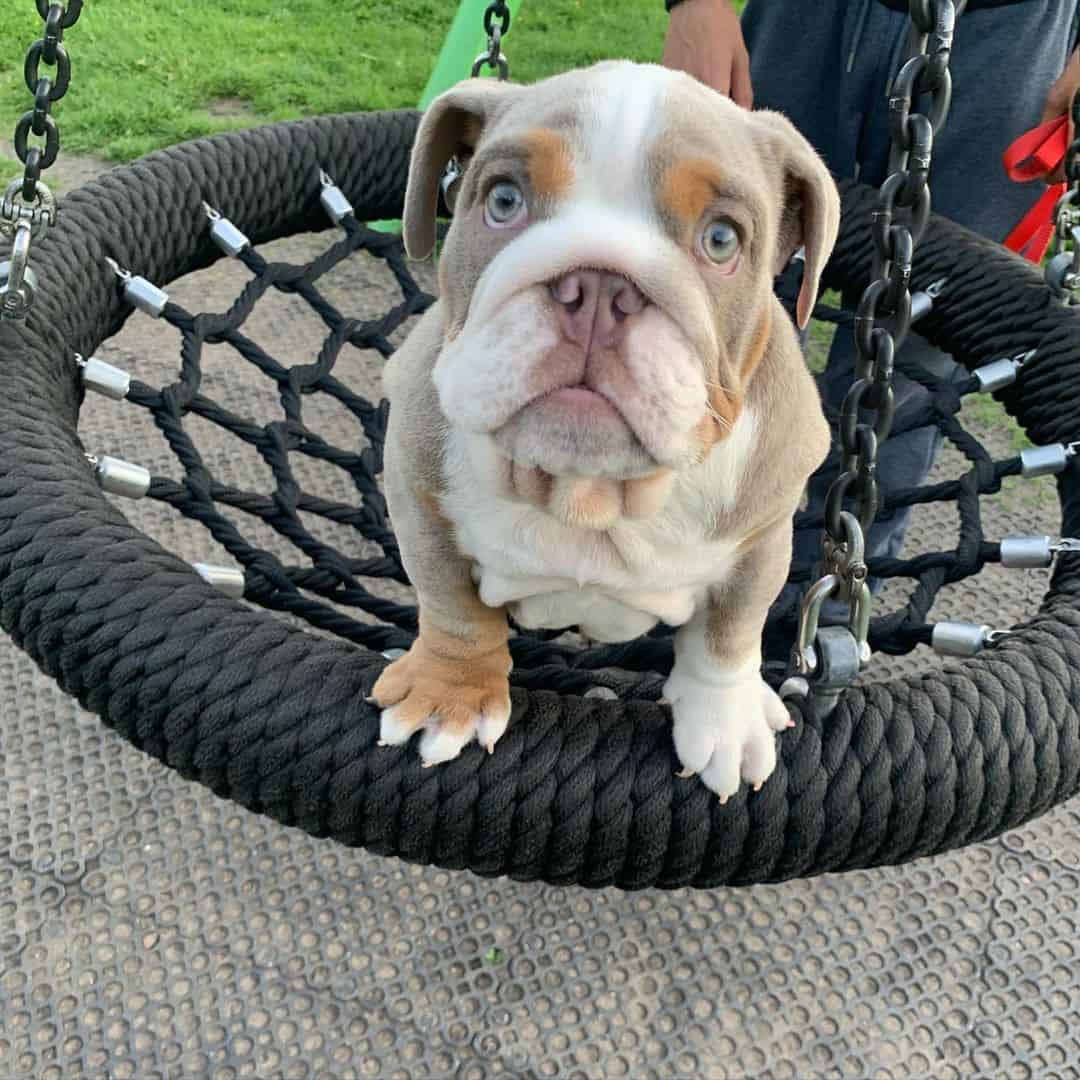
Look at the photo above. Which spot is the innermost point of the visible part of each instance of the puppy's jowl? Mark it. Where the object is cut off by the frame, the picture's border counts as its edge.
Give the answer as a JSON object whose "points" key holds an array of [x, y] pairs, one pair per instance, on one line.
{"points": [[606, 421]]}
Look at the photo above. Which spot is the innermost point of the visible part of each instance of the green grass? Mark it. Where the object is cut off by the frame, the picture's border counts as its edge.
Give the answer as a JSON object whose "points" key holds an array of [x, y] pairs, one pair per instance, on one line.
{"points": [[147, 75]]}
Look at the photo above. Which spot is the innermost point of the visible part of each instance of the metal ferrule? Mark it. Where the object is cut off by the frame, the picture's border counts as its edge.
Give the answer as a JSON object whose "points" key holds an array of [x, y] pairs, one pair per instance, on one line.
{"points": [[1027, 552], [997, 376], [101, 378], [922, 303], [145, 296], [226, 579], [960, 639], [1044, 460], [122, 478], [228, 237], [603, 693], [334, 203]]}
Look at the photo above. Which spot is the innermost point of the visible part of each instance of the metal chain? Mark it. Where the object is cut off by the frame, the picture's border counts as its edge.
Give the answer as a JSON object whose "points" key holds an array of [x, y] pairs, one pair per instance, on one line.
{"points": [[28, 206], [882, 322], [495, 58], [1062, 271]]}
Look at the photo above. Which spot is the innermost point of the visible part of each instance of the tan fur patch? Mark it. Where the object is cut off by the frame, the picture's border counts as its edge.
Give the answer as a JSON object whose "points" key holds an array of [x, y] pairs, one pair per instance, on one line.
{"points": [[758, 345], [716, 424], [432, 501], [457, 678], [551, 166], [688, 187], [647, 495], [593, 503]]}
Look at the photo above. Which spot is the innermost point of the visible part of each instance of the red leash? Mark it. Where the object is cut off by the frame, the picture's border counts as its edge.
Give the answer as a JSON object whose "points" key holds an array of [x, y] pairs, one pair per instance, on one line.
{"points": [[1032, 156]]}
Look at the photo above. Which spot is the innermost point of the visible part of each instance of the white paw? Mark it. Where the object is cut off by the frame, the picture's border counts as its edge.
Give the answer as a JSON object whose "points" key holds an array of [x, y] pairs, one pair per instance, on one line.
{"points": [[442, 741], [726, 733]]}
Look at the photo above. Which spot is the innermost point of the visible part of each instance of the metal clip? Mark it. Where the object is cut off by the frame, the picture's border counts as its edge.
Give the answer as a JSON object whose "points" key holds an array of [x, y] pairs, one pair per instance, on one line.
{"points": [[1001, 373], [139, 292], [1067, 545], [1035, 552], [333, 200], [964, 639], [922, 302], [18, 283], [1046, 460], [119, 477], [224, 233], [1026, 552], [451, 175], [1062, 271], [226, 579], [804, 658], [14, 212], [111, 382]]}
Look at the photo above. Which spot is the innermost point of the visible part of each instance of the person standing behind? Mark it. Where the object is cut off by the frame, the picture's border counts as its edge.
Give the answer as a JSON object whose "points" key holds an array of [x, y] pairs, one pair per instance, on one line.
{"points": [[827, 65]]}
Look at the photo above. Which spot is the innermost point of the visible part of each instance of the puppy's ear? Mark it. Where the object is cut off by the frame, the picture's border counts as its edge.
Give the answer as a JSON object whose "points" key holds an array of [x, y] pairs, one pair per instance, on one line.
{"points": [[810, 206], [452, 126]]}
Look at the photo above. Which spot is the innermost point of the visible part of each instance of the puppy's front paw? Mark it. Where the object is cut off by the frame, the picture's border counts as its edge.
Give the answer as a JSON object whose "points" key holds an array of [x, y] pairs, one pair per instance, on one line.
{"points": [[724, 733], [451, 701]]}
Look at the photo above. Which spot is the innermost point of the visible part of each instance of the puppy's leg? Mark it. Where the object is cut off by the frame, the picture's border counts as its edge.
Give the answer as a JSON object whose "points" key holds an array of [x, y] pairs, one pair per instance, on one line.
{"points": [[452, 683], [725, 715]]}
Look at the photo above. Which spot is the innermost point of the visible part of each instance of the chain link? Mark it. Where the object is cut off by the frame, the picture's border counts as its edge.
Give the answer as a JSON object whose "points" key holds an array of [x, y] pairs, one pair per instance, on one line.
{"points": [[495, 58], [1062, 271], [882, 322], [28, 207]]}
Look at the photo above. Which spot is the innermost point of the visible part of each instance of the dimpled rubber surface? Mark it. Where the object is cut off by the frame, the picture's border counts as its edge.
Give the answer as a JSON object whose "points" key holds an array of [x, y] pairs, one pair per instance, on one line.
{"points": [[149, 929]]}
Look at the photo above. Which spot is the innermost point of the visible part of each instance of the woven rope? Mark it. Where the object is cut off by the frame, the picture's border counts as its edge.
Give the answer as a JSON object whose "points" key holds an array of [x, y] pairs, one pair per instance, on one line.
{"points": [[578, 790]]}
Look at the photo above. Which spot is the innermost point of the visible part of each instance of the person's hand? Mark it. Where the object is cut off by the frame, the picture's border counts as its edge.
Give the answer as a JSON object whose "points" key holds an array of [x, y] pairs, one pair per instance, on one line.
{"points": [[705, 40], [1058, 103]]}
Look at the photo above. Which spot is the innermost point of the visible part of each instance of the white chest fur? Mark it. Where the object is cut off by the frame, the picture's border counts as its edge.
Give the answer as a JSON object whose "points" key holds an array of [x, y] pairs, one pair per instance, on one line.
{"points": [[615, 584]]}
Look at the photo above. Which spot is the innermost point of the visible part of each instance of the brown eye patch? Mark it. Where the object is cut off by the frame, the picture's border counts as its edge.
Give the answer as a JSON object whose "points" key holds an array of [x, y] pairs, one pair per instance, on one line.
{"points": [[688, 189], [551, 166]]}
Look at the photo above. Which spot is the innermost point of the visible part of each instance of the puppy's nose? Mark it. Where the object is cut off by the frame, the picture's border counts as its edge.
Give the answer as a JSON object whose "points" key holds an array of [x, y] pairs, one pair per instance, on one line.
{"points": [[594, 306]]}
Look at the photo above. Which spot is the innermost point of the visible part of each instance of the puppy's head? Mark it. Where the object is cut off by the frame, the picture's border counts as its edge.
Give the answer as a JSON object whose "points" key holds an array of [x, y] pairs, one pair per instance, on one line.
{"points": [[608, 272]]}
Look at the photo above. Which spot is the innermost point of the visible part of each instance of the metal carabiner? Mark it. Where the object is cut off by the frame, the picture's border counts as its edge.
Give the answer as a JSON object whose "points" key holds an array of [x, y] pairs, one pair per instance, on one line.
{"points": [[17, 281], [804, 657]]}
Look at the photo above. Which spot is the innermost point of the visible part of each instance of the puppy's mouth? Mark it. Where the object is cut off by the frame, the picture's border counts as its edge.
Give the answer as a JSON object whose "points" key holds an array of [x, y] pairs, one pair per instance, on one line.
{"points": [[582, 401], [574, 430]]}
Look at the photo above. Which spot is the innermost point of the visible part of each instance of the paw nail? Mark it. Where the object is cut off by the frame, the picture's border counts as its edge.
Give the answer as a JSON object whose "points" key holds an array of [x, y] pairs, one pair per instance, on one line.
{"points": [[724, 799], [757, 786], [685, 774], [490, 747], [790, 724], [369, 700], [382, 743], [428, 764]]}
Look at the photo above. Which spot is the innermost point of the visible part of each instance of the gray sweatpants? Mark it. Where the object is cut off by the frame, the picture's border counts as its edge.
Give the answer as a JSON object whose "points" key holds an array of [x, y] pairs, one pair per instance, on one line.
{"points": [[827, 64]]}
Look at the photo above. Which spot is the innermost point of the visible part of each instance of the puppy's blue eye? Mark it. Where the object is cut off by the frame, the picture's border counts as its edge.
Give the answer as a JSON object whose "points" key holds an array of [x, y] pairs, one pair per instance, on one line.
{"points": [[505, 202], [721, 241]]}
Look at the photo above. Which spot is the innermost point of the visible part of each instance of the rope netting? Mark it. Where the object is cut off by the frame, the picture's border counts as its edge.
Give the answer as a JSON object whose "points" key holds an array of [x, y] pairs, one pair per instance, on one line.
{"points": [[326, 583], [273, 715]]}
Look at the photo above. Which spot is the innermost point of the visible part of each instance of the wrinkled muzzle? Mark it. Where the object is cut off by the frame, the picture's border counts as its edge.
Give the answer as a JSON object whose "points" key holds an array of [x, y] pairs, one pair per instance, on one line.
{"points": [[585, 350]]}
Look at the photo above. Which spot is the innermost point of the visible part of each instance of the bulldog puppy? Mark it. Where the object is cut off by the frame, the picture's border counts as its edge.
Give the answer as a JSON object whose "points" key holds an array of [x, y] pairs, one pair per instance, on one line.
{"points": [[606, 421]]}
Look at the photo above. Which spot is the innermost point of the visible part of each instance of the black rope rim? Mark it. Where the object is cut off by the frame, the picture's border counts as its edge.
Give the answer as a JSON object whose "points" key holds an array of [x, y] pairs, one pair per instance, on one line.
{"points": [[579, 790]]}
